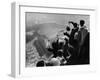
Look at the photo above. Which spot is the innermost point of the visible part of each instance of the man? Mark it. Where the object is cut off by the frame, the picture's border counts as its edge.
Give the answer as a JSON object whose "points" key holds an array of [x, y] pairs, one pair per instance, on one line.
{"points": [[82, 32], [83, 38], [73, 50], [72, 39]]}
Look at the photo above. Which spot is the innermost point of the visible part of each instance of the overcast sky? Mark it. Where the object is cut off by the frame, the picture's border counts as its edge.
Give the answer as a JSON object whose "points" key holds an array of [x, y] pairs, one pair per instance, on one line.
{"points": [[38, 18], [60, 19]]}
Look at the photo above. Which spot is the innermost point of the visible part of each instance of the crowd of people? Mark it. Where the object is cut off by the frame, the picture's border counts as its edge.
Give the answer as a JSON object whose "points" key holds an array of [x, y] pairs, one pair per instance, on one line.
{"points": [[73, 50]]}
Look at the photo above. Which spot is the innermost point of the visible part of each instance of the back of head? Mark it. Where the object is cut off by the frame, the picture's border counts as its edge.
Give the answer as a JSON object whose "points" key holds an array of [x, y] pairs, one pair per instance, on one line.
{"points": [[40, 64], [75, 25], [68, 28]]}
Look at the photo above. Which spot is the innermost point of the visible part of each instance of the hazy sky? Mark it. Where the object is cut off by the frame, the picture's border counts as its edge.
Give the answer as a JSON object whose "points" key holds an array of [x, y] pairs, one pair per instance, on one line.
{"points": [[38, 18], [60, 19]]}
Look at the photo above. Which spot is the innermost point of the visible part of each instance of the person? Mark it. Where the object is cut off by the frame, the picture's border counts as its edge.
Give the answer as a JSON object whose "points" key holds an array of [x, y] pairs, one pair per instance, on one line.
{"points": [[83, 37], [65, 50], [67, 30], [54, 48], [82, 32], [73, 42]]}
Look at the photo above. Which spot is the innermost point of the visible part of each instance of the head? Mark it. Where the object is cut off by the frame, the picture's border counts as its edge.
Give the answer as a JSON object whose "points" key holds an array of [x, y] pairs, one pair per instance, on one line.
{"points": [[68, 28], [40, 64], [55, 61], [82, 22], [75, 25]]}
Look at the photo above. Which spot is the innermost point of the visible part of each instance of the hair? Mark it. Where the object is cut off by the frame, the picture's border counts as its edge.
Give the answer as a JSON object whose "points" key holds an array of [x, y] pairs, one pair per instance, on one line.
{"points": [[82, 22], [75, 25], [40, 64], [68, 28]]}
